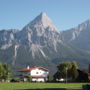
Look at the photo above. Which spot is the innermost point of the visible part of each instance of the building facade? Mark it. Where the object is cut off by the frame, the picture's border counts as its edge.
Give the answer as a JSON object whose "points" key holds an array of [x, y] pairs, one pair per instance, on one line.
{"points": [[38, 74]]}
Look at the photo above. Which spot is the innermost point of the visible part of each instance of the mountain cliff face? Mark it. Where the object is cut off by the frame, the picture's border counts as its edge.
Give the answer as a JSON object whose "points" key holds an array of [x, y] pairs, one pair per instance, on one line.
{"points": [[39, 43], [79, 36], [39, 33]]}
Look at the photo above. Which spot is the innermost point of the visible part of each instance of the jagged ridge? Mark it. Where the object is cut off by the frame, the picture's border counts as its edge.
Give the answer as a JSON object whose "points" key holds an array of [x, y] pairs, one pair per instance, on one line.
{"points": [[39, 43]]}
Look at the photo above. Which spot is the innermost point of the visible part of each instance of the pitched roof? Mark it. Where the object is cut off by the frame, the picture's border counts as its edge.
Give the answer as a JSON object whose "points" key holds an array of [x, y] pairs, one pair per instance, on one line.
{"points": [[84, 70], [32, 68]]}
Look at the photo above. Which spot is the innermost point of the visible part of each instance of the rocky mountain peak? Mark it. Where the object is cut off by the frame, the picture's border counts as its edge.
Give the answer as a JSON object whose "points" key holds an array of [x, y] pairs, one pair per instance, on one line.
{"points": [[41, 21], [83, 26], [79, 36], [44, 19], [87, 21]]}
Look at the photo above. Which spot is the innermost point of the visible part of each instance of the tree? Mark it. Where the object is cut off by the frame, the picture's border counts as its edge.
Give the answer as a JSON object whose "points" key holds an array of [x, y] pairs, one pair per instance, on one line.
{"points": [[50, 78], [68, 69], [89, 68], [30, 78], [1, 71], [62, 69], [75, 64], [5, 71], [74, 72]]}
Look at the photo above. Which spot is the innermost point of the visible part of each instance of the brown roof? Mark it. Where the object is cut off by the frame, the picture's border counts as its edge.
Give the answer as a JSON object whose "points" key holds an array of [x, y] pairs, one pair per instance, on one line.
{"points": [[84, 70], [32, 68]]}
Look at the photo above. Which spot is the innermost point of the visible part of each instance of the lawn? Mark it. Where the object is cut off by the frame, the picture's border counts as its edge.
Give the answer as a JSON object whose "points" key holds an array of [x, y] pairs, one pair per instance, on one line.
{"points": [[40, 86]]}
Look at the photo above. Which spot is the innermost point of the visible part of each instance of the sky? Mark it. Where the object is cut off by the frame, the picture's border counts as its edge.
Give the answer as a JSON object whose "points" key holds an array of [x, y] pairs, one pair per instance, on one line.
{"points": [[65, 14]]}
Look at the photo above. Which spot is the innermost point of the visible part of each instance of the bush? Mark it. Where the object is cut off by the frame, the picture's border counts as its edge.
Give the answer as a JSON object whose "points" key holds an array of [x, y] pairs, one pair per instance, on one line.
{"points": [[29, 78]]}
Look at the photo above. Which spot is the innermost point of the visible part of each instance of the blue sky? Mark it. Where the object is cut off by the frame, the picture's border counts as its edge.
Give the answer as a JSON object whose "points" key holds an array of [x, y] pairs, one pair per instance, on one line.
{"points": [[65, 14]]}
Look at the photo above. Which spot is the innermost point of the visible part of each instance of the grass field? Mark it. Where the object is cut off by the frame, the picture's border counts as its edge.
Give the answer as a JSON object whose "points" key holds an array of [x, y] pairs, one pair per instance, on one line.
{"points": [[40, 86]]}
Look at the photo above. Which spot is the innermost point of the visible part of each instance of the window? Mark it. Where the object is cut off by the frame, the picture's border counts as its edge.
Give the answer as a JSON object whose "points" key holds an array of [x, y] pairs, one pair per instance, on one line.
{"points": [[36, 72]]}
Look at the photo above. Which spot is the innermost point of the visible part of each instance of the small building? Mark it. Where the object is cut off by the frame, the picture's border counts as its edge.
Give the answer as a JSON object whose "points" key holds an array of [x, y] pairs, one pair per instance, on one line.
{"points": [[38, 74], [83, 75]]}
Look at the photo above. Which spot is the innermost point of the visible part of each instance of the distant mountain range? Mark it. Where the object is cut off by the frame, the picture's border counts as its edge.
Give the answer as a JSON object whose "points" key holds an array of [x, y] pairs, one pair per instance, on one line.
{"points": [[40, 43], [79, 36]]}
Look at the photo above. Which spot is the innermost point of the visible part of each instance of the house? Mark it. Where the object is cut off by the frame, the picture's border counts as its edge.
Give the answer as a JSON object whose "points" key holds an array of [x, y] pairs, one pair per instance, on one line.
{"points": [[38, 74], [83, 75]]}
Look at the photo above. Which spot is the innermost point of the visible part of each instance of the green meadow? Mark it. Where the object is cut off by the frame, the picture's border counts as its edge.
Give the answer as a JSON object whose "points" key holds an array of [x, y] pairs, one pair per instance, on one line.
{"points": [[40, 86]]}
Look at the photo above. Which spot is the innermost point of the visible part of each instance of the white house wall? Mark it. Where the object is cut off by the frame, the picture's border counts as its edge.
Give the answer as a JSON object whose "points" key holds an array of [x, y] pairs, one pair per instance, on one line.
{"points": [[38, 72]]}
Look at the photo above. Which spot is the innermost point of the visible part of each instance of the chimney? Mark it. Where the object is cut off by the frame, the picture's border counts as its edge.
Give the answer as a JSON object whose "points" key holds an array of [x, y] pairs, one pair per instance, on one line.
{"points": [[28, 67]]}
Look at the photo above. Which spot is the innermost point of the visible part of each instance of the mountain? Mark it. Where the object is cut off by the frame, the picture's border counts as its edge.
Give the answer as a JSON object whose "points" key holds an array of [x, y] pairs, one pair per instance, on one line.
{"points": [[79, 36], [39, 43]]}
